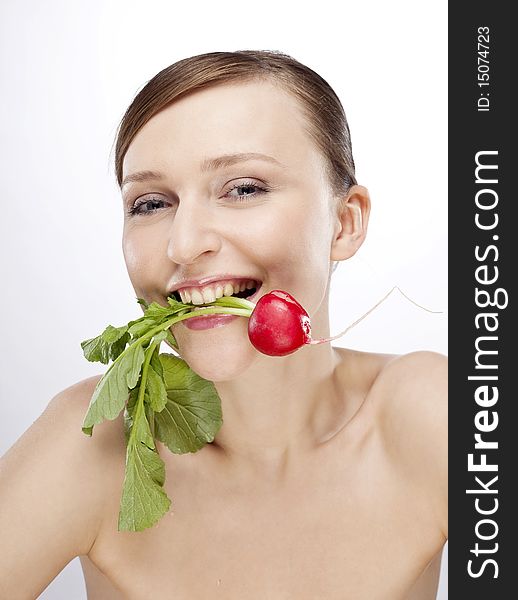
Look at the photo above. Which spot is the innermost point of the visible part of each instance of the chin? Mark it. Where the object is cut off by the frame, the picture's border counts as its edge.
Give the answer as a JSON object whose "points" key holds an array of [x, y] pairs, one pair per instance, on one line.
{"points": [[218, 359], [219, 367]]}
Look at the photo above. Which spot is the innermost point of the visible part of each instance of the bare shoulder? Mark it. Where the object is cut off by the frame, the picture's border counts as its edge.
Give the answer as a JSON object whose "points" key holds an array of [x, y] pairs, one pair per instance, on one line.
{"points": [[99, 453], [414, 388], [53, 487], [412, 394], [402, 388], [62, 420], [70, 404]]}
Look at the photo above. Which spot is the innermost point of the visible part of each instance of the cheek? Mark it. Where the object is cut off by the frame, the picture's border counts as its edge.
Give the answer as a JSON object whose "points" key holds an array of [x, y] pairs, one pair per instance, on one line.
{"points": [[141, 255], [296, 245]]}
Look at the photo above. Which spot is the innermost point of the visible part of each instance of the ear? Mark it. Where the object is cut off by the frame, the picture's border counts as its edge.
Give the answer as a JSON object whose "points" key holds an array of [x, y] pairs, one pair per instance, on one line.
{"points": [[351, 223]]}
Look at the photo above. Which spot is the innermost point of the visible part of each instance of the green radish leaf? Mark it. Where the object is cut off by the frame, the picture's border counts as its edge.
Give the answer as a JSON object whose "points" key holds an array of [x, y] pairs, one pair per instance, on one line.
{"points": [[159, 338], [171, 340], [129, 410], [156, 363], [131, 364], [112, 390], [177, 407], [154, 314], [143, 500], [158, 312], [128, 422], [107, 346], [132, 401], [177, 308], [118, 347], [192, 415], [155, 386], [150, 416], [141, 326], [174, 303], [94, 350], [156, 390]]}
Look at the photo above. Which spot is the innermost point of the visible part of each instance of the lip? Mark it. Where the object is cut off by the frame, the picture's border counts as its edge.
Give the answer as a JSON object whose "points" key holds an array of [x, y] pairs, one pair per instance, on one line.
{"points": [[208, 280], [208, 322]]}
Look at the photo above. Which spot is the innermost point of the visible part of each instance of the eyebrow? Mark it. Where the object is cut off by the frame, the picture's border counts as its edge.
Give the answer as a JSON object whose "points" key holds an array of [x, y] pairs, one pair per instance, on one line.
{"points": [[141, 176], [227, 160], [209, 164]]}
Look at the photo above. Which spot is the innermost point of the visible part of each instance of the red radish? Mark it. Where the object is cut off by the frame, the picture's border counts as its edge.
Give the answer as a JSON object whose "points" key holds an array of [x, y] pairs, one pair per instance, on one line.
{"points": [[278, 324]]}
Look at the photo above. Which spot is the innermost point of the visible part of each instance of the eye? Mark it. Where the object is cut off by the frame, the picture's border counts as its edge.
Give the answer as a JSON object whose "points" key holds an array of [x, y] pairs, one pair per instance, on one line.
{"points": [[246, 190], [146, 205]]}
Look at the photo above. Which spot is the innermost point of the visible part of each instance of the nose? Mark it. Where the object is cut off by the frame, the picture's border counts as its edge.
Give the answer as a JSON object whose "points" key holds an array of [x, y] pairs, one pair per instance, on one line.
{"points": [[192, 233]]}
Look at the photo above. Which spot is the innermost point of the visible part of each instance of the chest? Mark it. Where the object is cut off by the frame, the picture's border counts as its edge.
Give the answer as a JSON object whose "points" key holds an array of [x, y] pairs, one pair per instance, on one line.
{"points": [[335, 531]]}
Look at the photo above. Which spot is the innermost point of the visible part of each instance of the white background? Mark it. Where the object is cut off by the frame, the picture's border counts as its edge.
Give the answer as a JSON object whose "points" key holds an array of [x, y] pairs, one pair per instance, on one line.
{"points": [[68, 71]]}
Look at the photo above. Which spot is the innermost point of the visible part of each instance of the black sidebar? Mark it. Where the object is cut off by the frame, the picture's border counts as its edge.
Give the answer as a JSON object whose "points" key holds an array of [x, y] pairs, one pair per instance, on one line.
{"points": [[483, 251]]}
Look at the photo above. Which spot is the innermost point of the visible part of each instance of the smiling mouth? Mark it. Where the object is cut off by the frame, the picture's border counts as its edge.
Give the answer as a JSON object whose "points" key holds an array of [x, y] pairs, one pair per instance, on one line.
{"points": [[208, 294]]}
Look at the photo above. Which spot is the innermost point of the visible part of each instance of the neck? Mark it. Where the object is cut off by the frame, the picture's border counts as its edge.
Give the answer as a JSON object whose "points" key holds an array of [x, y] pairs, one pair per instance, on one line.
{"points": [[280, 409]]}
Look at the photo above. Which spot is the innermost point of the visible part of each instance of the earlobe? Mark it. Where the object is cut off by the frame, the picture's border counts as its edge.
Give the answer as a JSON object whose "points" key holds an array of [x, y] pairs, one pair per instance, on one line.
{"points": [[352, 221]]}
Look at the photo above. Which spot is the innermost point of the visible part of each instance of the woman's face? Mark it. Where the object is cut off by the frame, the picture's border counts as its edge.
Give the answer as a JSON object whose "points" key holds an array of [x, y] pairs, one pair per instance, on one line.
{"points": [[197, 216]]}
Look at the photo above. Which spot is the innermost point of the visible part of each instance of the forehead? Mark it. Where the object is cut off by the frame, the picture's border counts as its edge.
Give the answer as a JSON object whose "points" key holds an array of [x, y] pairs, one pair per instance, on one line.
{"points": [[257, 117]]}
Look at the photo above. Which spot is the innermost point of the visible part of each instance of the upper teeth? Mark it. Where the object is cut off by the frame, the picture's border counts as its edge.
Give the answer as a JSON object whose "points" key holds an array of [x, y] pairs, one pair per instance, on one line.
{"points": [[209, 293]]}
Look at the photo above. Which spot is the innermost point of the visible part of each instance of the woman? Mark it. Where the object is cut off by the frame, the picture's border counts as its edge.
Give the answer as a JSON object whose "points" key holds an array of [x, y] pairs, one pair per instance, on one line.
{"points": [[328, 477]]}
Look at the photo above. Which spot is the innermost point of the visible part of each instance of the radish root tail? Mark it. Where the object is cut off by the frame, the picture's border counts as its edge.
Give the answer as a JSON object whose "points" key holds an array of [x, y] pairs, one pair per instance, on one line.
{"points": [[334, 337]]}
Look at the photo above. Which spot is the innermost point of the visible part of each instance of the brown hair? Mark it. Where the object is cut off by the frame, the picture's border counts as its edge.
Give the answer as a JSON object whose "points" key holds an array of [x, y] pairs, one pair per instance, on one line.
{"points": [[327, 123]]}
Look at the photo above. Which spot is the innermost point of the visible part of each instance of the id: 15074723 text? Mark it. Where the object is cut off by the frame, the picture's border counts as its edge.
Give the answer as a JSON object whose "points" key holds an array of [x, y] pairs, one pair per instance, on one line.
{"points": [[483, 69]]}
